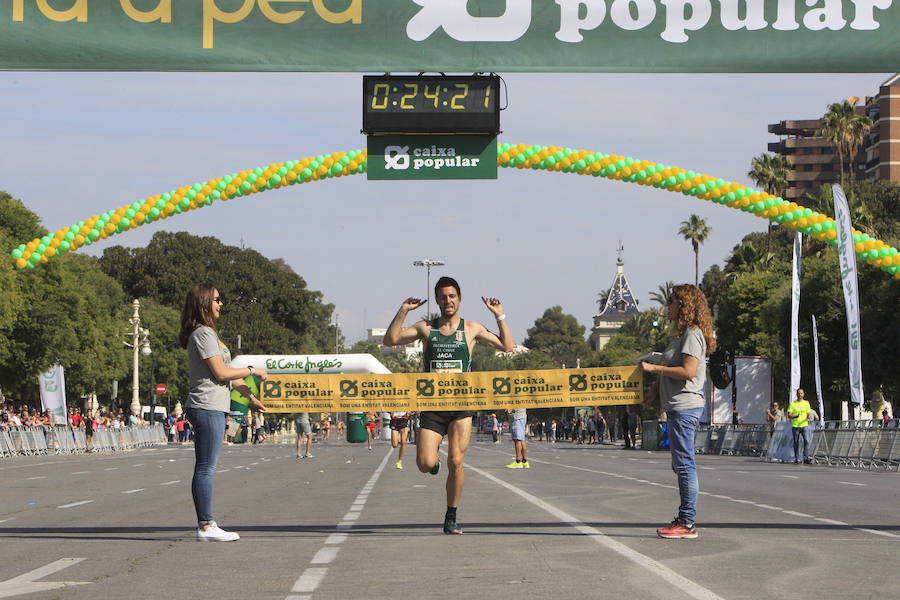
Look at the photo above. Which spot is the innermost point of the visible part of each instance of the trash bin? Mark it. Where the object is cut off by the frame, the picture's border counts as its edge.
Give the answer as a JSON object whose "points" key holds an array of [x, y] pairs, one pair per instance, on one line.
{"points": [[356, 427]]}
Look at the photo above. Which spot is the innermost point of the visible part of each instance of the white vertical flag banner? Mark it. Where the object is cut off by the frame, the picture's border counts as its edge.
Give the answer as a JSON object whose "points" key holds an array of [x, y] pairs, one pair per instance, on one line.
{"points": [[818, 372], [53, 393], [850, 285], [795, 314]]}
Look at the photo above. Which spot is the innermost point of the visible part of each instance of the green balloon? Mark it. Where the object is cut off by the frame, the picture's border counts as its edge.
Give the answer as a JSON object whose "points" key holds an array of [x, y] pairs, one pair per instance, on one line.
{"points": [[17, 254]]}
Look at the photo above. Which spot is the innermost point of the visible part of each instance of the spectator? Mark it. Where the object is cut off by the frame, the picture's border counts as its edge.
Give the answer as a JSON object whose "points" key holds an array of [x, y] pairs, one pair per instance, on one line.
{"points": [[799, 411]]}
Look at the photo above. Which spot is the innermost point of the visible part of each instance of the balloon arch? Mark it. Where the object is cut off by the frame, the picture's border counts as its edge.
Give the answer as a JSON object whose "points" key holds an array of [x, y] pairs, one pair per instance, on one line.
{"points": [[519, 156]]}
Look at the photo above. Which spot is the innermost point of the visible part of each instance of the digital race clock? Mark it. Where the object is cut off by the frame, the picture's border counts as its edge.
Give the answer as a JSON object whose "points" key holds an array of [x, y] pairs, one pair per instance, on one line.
{"points": [[431, 104]]}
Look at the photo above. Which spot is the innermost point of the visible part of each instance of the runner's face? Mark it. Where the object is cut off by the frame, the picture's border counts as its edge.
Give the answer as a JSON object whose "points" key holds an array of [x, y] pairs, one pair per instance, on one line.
{"points": [[448, 300]]}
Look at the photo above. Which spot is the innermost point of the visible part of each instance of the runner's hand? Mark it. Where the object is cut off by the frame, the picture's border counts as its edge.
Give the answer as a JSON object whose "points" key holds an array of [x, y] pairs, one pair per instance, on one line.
{"points": [[412, 304], [256, 404], [260, 374], [493, 305]]}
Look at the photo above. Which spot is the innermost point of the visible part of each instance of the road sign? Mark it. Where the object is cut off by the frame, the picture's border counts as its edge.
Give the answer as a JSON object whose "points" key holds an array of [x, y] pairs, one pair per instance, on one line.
{"points": [[160, 388]]}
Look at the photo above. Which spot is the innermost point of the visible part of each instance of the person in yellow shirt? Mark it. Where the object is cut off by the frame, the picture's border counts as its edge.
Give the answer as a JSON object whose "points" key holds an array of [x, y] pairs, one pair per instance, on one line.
{"points": [[798, 412]]}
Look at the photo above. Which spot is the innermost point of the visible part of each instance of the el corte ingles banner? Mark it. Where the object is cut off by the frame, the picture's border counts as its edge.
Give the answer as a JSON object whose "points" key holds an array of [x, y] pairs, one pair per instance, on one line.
{"points": [[551, 388], [452, 35]]}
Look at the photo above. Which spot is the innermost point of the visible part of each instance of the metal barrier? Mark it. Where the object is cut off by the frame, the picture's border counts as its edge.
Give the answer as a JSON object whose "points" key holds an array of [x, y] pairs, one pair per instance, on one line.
{"points": [[32, 441], [857, 444]]}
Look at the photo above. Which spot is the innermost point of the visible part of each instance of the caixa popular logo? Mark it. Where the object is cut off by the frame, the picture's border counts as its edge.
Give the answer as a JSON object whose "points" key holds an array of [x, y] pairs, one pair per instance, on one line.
{"points": [[396, 157], [400, 158]]}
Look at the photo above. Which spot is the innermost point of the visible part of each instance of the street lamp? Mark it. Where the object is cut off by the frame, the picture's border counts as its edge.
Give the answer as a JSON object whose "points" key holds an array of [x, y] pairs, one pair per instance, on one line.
{"points": [[337, 328], [428, 263], [138, 346]]}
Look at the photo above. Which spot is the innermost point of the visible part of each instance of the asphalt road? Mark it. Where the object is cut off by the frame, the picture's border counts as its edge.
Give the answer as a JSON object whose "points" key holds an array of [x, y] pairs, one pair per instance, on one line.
{"points": [[346, 524]]}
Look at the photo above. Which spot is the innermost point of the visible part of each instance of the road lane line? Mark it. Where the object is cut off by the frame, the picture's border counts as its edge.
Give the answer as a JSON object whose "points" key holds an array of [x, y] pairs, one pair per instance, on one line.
{"points": [[325, 555], [309, 580], [80, 472], [171, 482], [852, 483], [39, 477], [75, 504], [133, 491], [789, 476], [689, 587], [111, 469]]}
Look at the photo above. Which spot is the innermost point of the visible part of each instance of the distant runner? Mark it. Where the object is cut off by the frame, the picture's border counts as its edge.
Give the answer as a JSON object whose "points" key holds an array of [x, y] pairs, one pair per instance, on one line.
{"points": [[399, 433], [449, 341]]}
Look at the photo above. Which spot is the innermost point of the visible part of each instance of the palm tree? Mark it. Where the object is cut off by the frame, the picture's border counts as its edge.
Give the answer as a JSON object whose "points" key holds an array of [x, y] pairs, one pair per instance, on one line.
{"points": [[769, 172], [696, 231], [663, 293], [748, 258], [846, 130]]}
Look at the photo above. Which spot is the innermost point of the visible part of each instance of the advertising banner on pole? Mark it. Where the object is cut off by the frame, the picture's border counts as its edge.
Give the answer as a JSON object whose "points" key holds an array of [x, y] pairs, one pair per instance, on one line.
{"points": [[795, 315], [53, 394], [549, 388], [818, 372], [650, 36], [850, 285]]}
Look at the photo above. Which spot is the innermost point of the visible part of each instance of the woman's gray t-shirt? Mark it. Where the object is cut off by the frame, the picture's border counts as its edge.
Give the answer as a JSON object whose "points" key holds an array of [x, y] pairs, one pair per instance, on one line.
{"points": [[206, 391], [677, 394]]}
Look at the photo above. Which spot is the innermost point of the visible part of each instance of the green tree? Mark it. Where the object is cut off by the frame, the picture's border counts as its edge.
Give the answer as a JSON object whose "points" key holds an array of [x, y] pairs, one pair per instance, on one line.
{"points": [[266, 303], [846, 130], [696, 231], [769, 172], [559, 335], [663, 293]]}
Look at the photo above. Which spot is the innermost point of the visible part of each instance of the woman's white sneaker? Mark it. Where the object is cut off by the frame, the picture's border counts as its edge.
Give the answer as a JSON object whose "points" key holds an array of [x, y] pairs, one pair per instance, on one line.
{"points": [[214, 534]]}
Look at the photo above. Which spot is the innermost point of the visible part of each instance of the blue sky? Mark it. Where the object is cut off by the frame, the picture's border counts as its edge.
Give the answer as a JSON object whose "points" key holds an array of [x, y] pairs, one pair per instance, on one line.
{"points": [[77, 144]]}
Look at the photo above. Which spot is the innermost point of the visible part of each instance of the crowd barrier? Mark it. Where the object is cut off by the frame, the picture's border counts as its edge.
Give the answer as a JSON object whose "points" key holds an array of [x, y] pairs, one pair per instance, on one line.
{"points": [[861, 444], [30, 441]]}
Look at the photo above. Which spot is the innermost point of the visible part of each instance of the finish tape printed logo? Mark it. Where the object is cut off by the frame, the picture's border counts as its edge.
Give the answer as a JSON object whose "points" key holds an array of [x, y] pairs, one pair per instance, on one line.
{"points": [[453, 391]]}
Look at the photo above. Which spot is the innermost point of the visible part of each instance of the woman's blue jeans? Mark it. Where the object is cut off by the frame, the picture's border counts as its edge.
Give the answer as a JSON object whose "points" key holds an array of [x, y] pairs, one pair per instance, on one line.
{"points": [[682, 429], [209, 432]]}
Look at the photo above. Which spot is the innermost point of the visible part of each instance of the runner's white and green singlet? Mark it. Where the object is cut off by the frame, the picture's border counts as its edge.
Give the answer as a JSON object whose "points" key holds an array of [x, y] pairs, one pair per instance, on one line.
{"points": [[447, 353]]}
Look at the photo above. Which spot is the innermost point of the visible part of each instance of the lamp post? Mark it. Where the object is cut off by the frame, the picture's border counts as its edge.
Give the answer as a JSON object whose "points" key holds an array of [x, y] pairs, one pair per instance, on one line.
{"points": [[337, 328], [137, 346], [428, 263]]}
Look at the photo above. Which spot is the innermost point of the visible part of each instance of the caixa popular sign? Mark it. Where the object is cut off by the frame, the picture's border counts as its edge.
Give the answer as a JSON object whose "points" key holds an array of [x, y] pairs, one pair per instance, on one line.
{"points": [[394, 157]]}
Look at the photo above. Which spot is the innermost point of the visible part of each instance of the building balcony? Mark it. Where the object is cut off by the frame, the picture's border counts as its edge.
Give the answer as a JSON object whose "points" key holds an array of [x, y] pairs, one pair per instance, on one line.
{"points": [[805, 127]]}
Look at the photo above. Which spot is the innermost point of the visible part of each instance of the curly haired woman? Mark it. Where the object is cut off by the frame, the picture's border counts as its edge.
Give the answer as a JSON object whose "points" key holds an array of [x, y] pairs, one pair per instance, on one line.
{"points": [[682, 378]]}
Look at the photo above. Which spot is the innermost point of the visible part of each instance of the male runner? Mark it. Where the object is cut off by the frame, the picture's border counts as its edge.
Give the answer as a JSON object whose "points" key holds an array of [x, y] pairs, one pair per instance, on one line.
{"points": [[399, 433], [449, 341], [517, 418], [304, 435]]}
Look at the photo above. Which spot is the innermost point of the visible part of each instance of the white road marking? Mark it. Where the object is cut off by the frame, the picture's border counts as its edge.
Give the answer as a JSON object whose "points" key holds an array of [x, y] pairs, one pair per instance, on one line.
{"points": [[138, 465], [794, 513], [742, 472], [852, 483], [789, 476], [310, 580], [40, 477], [223, 470], [691, 588], [80, 472], [325, 556], [133, 491], [111, 469], [313, 576], [171, 482], [75, 504], [26, 584]]}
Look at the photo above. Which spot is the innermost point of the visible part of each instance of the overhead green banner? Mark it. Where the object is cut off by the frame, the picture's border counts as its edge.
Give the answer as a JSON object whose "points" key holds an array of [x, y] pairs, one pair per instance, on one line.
{"points": [[452, 35]]}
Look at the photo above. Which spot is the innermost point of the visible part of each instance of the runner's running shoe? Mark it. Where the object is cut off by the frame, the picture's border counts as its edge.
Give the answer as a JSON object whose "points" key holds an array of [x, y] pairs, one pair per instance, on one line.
{"points": [[398, 465], [514, 465], [525, 465], [437, 467], [451, 527], [214, 534]]}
